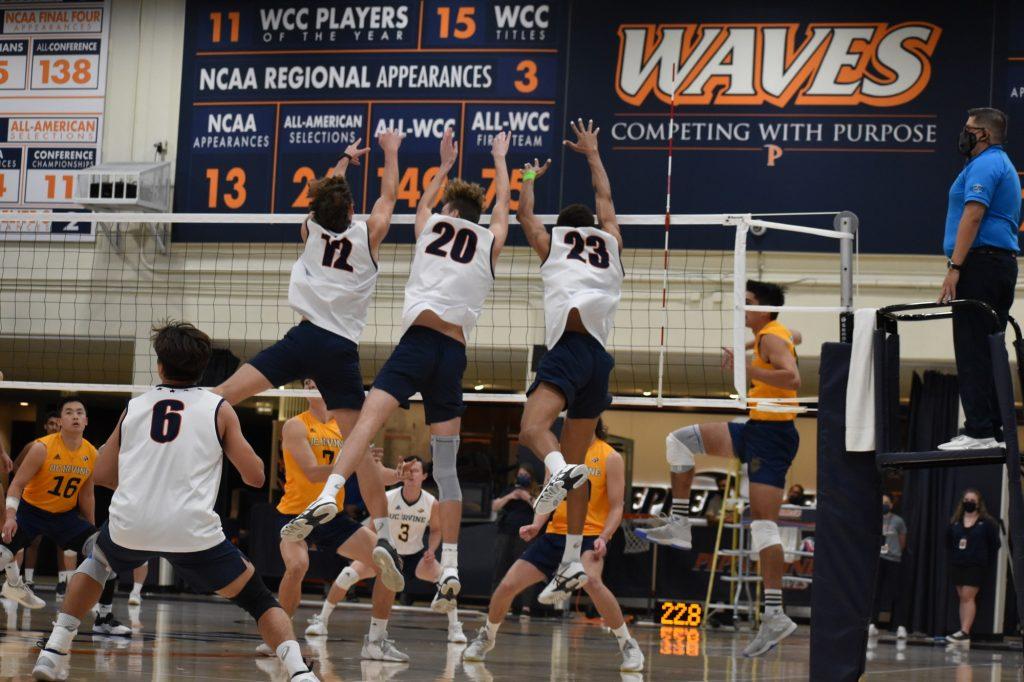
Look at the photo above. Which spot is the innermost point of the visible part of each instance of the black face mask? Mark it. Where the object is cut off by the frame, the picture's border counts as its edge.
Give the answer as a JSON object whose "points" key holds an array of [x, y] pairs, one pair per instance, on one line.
{"points": [[796, 498], [886, 508], [966, 142], [523, 481], [970, 506]]}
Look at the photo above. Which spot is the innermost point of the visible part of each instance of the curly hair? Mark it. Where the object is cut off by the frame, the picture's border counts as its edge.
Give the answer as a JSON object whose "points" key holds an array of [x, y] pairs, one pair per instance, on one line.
{"points": [[330, 199], [465, 197]]}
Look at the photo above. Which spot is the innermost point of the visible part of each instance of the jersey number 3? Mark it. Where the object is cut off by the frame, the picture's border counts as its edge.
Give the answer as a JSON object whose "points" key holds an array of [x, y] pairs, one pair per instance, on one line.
{"points": [[166, 420], [598, 254]]}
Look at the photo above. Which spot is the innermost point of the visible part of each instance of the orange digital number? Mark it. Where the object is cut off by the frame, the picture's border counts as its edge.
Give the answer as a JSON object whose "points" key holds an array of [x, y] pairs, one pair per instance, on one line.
{"points": [[465, 24], [303, 176], [51, 185], [238, 195], [60, 71], [528, 81], [515, 185], [3, 184], [411, 187], [216, 21], [4, 73]]}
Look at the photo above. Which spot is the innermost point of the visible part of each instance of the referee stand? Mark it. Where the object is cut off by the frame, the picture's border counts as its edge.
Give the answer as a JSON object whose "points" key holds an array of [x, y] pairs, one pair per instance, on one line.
{"points": [[846, 551]]}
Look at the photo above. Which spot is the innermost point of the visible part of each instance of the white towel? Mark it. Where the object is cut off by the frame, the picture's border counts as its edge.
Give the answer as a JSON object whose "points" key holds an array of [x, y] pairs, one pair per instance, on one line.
{"points": [[860, 387]]}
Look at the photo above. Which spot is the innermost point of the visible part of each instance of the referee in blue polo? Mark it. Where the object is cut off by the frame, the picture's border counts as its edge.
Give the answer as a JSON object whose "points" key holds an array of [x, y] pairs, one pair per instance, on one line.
{"points": [[981, 246]]}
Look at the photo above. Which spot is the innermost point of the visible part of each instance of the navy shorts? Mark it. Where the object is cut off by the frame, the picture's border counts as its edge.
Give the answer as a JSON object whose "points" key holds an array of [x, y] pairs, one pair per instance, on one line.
{"points": [[545, 553], [311, 352], [206, 571], [67, 530], [767, 448], [427, 362], [579, 367], [330, 536]]}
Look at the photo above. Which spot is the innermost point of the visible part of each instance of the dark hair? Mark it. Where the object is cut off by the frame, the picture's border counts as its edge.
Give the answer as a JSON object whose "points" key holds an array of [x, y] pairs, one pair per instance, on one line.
{"points": [[52, 414], [465, 197], [65, 401], [797, 485], [958, 515], [992, 120], [413, 458], [182, 349], [887, 495], [600, 430], [330, 199], [767, 293], [576, 215]]}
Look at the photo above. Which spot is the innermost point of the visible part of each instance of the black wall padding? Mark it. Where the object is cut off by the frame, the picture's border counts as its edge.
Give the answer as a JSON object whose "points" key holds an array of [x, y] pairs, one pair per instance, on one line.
{"points": [[847, 535]]}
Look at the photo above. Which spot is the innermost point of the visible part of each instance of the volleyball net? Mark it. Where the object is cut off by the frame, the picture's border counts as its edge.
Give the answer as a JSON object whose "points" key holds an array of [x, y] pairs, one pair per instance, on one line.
{"points": [[76, 314]]}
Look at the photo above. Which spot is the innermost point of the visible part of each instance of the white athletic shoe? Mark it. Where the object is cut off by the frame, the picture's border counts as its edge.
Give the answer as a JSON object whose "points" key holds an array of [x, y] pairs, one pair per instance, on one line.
{"points": [[965, 442], [108, 625], [455, 633], [478, 649], [569, 577], [135, 599], [632, 657], [872, 630], [382, 650], [264, 650], [387, 559], [959, 638], [901, 632], [773, 630], [567, 478], [316, 514], [380, 671], [307, 676], [51, 665], [22, 594], [675, 533], [448, 588], [317, 627]]}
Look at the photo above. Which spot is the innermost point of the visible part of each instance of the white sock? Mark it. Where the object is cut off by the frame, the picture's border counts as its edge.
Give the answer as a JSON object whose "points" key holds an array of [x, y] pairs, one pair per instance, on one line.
{"points": [[334, 484], [449, 555], [453, 617], [346, 578], [29, 572], [137, 588], [291, 655], [63, 576], [621, 633], [772, 601], [573, 543], [378, 629], [492, 630], [64, 630], [13, 576], [554, 461], [326, 610], [104, 610], [383, 529]]}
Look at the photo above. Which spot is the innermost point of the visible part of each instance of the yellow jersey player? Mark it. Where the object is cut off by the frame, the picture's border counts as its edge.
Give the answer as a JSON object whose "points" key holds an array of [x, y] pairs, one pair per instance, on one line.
{"points": [[606, 473], [52, 495], [767, 443]]}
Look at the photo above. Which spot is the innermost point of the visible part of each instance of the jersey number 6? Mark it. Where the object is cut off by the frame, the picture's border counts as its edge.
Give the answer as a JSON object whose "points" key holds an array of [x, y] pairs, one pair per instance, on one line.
{"points": [[166, 421]]}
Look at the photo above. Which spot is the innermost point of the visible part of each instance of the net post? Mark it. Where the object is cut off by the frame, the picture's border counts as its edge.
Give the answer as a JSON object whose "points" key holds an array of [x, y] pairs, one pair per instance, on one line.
{"points": [[846, 221], [739, 302]]}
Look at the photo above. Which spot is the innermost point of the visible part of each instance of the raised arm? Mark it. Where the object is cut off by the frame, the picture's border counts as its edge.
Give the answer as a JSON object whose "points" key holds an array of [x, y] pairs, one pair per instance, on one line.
{"points": [[586, 144], [105, 473], [380, 217], [29, 468], [237, 448], [502, 194], [350, 156], [536, 234], [295, 440], [449, 152]]}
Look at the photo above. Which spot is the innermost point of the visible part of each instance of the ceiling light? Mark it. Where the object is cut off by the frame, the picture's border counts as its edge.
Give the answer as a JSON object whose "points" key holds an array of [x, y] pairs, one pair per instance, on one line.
{"points": [[647, 394], [23, 404], [479, 387]]}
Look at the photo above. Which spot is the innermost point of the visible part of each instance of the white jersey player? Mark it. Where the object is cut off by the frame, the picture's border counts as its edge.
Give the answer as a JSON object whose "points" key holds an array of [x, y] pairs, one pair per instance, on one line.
{"points": [[411, 511], [452, 273], [582, 273], [331, 285], [164, 462]]}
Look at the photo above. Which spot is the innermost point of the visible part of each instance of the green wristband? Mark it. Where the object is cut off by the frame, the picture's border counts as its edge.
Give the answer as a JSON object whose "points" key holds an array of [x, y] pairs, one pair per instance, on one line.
{"points": [[529, 175]]}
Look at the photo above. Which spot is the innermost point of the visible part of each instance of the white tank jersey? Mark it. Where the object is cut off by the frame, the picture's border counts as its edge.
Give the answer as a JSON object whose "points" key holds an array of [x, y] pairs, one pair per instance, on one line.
{"points": [[408, 522], [583, 270], [168, 472], [451, 272], [332, 282]]}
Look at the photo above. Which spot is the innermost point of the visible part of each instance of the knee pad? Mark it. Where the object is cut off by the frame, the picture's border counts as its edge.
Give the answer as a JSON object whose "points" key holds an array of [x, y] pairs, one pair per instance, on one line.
{"points": [[96, 567], [347, 578], [90, 544], [444, 451], [764, 534], [255, 599], [6, 557], [680, 447]]}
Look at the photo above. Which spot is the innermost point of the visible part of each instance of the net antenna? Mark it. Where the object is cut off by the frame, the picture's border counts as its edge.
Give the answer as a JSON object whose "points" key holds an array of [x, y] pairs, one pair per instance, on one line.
{"points": [[668, 225]]}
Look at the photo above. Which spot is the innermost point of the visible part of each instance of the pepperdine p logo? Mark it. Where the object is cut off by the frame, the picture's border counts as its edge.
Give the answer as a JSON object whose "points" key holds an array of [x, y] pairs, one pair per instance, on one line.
{"points": [[841, 64]]}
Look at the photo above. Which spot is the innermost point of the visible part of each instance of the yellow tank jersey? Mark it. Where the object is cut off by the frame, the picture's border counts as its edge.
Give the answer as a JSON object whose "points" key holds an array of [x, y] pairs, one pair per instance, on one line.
{"points": [[759, 389], [325, 442], [597, 508], [55, 486]]}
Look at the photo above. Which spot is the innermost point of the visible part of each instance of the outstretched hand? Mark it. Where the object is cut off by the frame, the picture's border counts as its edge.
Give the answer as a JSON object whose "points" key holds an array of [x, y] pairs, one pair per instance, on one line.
{"points": [[390, 139], [537, 168], [586, 137], [355, 152], [500, 143], [449, 149]]}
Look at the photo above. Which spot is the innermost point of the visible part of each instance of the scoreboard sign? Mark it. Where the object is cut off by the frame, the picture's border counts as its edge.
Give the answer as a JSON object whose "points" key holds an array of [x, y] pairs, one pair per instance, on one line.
{"points": [[273, 92], [52, 86]]}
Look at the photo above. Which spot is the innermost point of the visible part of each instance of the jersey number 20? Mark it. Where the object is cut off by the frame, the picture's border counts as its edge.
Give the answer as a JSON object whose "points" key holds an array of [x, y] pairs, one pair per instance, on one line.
{"points": [[463, 246], [166, 420], [598, 251]]}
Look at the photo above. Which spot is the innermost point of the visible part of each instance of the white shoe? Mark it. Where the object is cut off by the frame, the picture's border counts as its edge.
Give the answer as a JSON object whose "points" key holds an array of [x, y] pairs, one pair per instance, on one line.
{"points": [[317, 627], [478, 649], [569, 477], [108, 625], [316, 514], [569, 577], [965, 442], [901, 632], [632, 657], [22, 594], [135, 599], [675, 533], [264, 650], [51, 665], [872, 630], [378, 671], [307, 676], [448, 588], [382, 650], [773, 630], [455, 633]]}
